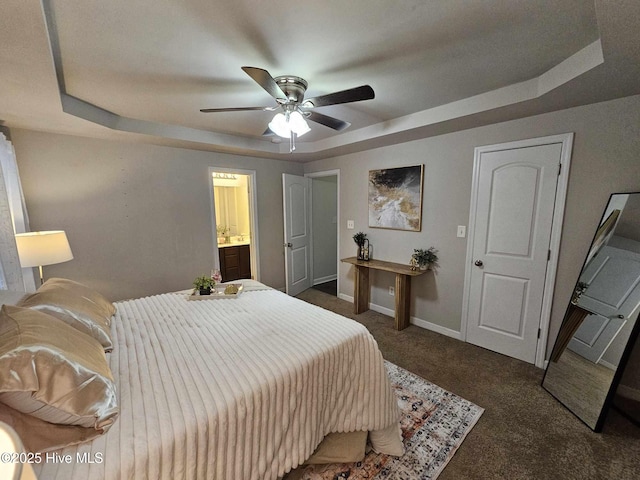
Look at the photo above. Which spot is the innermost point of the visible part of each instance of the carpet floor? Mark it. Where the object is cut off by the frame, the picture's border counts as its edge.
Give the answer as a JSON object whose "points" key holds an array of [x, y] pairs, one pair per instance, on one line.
{"points": [[524, 432], [434, 423]]}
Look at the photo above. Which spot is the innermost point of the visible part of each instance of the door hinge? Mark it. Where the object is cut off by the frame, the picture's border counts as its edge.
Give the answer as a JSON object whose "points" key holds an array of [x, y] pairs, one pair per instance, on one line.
{"points": [[548, 255], [539, 332], [559, 168]]}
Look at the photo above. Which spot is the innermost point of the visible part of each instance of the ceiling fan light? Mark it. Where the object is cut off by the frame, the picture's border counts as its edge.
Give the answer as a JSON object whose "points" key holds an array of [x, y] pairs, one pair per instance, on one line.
{"points": [[280, 126], [298, 124]]}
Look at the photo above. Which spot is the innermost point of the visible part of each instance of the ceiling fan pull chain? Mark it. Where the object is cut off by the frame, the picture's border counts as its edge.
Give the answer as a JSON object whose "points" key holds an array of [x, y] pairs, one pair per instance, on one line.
{"points": [[292, 142]]}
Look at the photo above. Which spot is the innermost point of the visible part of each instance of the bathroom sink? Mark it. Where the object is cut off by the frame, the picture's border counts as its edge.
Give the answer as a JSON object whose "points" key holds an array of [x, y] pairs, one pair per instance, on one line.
{"points": [[234, 243]]}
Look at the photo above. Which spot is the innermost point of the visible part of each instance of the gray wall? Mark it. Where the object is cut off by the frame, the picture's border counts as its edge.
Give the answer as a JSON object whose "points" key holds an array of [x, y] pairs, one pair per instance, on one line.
{"points": [[139, 222], [138, 217], [324, 207], [606, 158]]}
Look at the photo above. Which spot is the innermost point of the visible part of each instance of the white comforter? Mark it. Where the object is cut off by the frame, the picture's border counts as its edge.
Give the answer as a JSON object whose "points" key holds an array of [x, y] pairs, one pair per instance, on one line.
{"points": [[231, 389]]}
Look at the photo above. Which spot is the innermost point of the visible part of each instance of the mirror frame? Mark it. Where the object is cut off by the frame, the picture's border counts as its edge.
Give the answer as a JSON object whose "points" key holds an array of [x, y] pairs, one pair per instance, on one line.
{"points": [[608, 402]]}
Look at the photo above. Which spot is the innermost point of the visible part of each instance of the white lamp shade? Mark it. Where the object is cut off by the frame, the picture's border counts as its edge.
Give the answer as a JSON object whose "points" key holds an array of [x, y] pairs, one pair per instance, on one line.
{"points": [[43, 248], [283, 127], [298, 124], [279, 126]]}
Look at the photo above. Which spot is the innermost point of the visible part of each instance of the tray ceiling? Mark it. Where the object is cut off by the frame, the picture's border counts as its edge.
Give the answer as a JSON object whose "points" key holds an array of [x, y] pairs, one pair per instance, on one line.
{"points": [[144, 69]]}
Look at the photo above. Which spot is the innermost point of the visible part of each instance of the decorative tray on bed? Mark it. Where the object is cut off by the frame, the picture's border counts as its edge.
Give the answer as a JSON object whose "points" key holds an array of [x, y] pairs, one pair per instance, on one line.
{"points": [[227, 290]]}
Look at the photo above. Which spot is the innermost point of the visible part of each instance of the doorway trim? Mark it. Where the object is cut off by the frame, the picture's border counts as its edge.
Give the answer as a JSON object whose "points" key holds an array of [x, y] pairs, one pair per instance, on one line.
{"points": [[253, 218], [328, 173], [566, 140]]}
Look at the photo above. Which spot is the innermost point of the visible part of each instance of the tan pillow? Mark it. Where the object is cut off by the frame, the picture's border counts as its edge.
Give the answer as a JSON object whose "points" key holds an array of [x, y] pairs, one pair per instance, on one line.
{"points": [[54, 373], [40, 436], [99, 301], [339, 448], [77, 305]]}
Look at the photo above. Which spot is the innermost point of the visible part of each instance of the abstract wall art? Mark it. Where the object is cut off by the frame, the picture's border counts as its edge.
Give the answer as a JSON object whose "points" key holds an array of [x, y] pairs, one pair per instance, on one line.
{"points": [[395, 198]]}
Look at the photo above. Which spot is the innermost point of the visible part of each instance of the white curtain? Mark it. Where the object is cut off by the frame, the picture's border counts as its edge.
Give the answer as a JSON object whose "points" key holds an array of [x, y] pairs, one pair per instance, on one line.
{"points": [[13, 219]]}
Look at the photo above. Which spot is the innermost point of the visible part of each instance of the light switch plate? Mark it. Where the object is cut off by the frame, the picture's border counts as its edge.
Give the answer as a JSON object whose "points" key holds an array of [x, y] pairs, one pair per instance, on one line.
{"points": [[351, 224], [462, 231]]}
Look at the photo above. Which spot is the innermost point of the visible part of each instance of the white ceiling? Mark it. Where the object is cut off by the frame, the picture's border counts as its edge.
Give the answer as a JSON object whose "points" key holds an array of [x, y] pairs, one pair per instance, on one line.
{"points": [[141, 70]]}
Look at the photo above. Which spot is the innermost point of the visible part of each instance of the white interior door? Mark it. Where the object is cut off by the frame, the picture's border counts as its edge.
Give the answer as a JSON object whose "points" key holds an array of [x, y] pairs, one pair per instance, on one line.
{"points": [[513, 216], [297, 231], [612, 295]]}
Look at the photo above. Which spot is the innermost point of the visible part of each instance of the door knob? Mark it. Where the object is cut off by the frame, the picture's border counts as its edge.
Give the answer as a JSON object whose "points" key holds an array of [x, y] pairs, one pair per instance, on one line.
{"points": [[290, 245], [478, 263]]}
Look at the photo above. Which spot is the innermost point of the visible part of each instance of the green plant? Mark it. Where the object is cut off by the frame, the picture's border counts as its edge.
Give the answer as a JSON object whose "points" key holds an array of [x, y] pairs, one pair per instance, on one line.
{"points": [[203, 282], [425, 257], [221, 230], [359, 238]]}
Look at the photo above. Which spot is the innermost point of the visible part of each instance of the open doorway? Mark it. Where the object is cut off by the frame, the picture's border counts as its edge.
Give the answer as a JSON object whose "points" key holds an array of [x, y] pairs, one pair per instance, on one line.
{"points": [[324, 231], [311, 211], [235, 223]]}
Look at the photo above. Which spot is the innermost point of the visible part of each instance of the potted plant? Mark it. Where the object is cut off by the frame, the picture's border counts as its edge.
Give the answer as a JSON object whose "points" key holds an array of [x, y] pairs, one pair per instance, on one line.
{"points": [[425, 259], [204, 284], [223, 232], [360, 239]]}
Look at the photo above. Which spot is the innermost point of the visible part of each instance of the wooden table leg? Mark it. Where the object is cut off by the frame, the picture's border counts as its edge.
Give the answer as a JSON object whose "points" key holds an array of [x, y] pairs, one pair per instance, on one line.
{"points": [[403, 301], [361, 290]]}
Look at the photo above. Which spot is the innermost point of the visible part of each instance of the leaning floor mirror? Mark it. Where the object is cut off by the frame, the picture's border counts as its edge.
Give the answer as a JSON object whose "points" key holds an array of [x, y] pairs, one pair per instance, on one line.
{"points": [[601, 324]]}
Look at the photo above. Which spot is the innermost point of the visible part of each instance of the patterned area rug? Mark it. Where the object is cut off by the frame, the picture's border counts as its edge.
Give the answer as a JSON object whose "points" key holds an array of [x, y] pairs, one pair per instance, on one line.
{"points": [[434, 424]]}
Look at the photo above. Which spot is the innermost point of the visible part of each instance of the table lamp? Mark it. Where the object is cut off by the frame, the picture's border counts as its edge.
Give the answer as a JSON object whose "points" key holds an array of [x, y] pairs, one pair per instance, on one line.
{"points": [[36, 249]]}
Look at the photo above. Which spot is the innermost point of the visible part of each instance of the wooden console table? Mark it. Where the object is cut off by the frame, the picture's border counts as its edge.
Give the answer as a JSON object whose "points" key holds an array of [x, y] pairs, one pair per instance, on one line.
{"points": [[362, 289]]}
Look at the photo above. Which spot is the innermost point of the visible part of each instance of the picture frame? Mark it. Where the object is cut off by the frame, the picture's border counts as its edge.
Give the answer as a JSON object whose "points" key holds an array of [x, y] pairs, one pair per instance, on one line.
{"points": [[395, 198]]}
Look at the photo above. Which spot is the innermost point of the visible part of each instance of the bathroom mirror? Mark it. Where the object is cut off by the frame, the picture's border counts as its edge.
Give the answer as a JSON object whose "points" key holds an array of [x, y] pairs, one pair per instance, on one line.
{"points": [[231, 202], [600, 325]]}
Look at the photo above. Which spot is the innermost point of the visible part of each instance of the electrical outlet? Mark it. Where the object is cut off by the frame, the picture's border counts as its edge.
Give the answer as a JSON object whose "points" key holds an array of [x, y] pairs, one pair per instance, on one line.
{"points": [[392, 291], [462, 231], [351, 224]]}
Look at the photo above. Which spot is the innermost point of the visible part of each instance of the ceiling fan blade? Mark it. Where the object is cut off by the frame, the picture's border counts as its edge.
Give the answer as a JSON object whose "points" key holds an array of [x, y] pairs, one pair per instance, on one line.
{"points": [[266, 81], [357, 94], [237, 109], [327, 121], [268, 133]]}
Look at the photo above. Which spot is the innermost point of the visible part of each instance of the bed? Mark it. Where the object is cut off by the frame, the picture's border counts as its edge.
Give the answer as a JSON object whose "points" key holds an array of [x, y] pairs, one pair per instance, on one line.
{"points": [[242, 388]]}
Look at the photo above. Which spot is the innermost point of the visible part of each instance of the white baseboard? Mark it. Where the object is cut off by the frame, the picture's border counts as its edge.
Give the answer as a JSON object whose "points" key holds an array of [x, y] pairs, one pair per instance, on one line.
{"points": [[628, 392], [418, 322], [447, 332], [346, 298], [328, 278]]}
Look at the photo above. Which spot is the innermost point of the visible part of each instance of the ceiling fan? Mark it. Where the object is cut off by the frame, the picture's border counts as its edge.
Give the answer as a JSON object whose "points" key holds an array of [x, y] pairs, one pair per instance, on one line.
{"points": [[288, 91]]}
